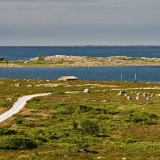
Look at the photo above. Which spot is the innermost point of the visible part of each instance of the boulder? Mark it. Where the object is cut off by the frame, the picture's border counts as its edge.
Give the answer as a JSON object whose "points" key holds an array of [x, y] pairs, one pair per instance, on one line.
{"points": [[147, 98], [18, 85], [144, 94], [86, 91], [137, 98], [129, 97], [121, 93]]}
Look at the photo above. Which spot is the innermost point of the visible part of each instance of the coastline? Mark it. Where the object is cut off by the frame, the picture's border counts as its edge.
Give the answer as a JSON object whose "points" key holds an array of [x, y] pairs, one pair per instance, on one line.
{"points": [[81, 61]]}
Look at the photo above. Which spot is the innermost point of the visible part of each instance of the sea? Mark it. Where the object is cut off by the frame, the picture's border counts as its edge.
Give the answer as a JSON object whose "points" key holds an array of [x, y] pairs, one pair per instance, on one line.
{"points": [[125, 73]]}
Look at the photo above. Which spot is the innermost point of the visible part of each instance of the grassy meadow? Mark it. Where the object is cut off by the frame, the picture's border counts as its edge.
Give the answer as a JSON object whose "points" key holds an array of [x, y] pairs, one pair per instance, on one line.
{"points": [[72, 125]]}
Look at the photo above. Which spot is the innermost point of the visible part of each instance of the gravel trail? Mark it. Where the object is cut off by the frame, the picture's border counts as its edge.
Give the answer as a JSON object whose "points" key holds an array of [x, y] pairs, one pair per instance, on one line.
{"points": [[17, 106]]}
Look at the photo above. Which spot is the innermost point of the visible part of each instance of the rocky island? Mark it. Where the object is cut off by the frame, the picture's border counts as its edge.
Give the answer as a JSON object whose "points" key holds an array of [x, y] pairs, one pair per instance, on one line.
{"points": [[64, 60]]}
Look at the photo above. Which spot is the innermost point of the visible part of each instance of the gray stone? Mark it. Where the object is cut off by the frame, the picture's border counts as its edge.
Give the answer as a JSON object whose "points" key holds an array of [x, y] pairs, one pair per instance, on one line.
{"points": [[18, 85], [86, 91], [121, 93], [137, 98], [129, 97]]}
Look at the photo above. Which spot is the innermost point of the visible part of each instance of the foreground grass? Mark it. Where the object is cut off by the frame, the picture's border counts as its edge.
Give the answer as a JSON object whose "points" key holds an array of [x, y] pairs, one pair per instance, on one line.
{"points": [[54, 127]]}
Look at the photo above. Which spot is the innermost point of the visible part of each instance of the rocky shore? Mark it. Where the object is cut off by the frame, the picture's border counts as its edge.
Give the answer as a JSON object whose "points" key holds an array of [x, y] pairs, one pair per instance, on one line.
{"points": [[59, 60], [63, 60]]}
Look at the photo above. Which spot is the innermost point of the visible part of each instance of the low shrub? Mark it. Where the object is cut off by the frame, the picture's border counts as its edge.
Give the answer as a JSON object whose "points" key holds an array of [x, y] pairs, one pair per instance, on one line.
{"points": [[89, 127], [140, 117], [140, 146], [6, 131], [16, 143], [83, 109]]}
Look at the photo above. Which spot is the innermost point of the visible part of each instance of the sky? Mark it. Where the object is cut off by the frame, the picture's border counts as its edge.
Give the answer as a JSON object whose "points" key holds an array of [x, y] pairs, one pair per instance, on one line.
{"points": [[79, 22]]}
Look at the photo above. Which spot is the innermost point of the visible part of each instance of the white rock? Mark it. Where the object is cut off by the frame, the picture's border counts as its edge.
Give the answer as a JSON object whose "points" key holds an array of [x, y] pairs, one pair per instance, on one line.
{"points": [[86, 91]]}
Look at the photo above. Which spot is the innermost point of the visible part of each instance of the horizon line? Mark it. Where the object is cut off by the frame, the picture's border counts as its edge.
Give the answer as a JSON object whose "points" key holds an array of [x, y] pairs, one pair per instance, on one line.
{"points": [[80, 45]]}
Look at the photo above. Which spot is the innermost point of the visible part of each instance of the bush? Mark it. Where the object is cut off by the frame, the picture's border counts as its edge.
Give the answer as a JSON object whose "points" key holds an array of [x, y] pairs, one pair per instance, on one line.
{"points": [[89, 127], [75, 125], [16, 143], [138, 117], [1, 58], [83, 109], [139, 146], [66, 108], [6, 131], [40, 58], [81, 142], [18, 120]]}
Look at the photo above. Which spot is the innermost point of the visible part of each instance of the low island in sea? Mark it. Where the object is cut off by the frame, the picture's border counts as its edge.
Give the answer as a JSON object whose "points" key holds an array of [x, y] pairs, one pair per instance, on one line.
{"points": [[63, 60]]}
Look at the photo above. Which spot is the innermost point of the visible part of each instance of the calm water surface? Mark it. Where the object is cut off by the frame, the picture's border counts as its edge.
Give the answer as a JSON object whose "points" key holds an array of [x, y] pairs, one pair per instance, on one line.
{"points": [[84, 73], [25, 53]]}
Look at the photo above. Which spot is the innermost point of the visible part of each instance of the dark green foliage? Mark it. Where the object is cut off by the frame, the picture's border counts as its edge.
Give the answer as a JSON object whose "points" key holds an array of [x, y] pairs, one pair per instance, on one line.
{"points": [[6, 131], [18, 120], [1, 58], [89, 127], [40, 58], [66, 109], [75, 125], [130, 140], [81, 142], [16, 143], [84, 108], [140, 117]]}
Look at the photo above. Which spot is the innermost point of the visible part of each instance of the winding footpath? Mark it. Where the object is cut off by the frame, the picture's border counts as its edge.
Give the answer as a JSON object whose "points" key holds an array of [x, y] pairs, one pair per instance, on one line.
{"points": [[17, 106]]}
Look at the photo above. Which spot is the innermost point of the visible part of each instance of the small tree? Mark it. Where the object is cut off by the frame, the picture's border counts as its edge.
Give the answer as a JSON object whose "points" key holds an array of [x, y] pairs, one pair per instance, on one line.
{"points": [[89, 127], [40, 58], [1, 58]]}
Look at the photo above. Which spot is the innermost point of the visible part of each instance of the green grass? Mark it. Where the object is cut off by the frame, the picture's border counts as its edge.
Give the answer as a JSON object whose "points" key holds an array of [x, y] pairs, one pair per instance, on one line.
{"points": [[63, 125]]}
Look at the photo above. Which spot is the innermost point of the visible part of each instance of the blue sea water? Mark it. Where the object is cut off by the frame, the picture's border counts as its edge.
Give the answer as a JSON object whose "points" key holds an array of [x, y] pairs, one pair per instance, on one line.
{"points": [[145, 73], [24, 53]]}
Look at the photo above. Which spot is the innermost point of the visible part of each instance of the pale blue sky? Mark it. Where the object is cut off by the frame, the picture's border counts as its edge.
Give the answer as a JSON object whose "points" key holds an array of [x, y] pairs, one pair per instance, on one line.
{"points": [[77, 22]]}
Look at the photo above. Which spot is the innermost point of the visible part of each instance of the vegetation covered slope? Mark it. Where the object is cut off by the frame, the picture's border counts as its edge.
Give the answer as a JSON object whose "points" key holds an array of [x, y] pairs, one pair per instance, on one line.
{"points": [[109, 122]]}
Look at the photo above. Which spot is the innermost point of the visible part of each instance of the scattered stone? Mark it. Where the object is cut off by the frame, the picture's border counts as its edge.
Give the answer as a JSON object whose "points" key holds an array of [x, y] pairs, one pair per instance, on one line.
{"points": [[144, 94], [86, 91], [121, 93], [129, 97], [29, 85], [18, 85], [157, 95], [103, 101], [138, 94], [147, 98], [137, 98], [9, 99]]}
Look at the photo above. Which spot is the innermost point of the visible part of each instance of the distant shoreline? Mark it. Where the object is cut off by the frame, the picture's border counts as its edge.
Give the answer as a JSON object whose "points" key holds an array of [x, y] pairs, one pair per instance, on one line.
{"points": [[87, 46], [80, 61]]}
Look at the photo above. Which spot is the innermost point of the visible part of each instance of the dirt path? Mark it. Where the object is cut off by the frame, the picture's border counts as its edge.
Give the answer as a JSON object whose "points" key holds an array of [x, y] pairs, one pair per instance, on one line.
{"points": [[19, 105]]}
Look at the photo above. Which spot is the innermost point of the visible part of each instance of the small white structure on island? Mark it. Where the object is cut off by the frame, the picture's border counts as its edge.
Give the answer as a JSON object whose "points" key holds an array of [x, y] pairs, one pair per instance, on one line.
{"points": [[67, 78]]}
